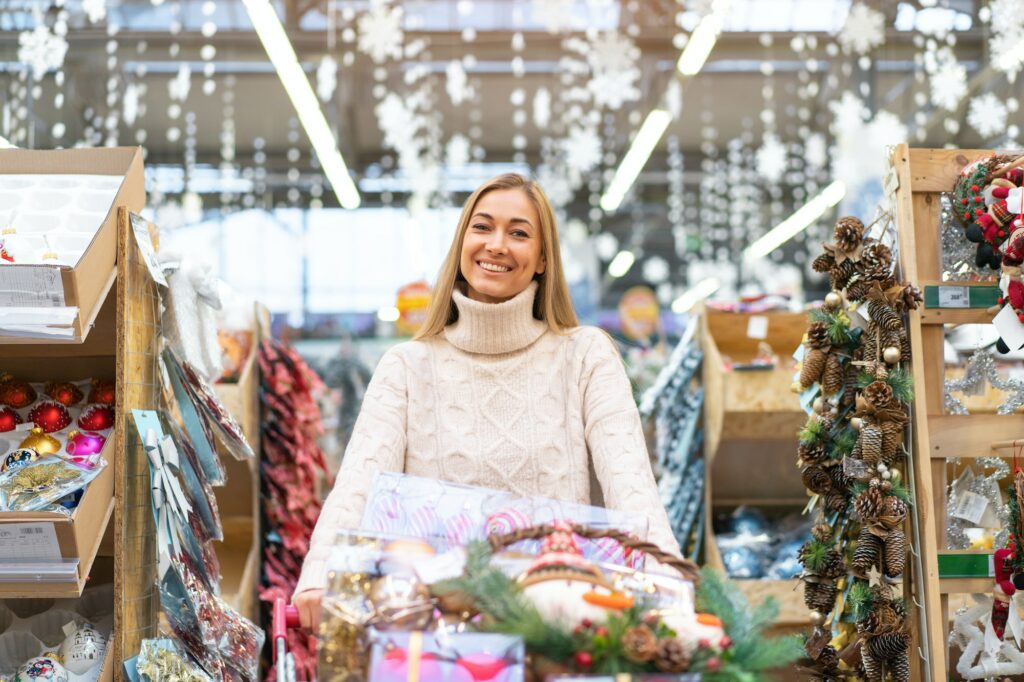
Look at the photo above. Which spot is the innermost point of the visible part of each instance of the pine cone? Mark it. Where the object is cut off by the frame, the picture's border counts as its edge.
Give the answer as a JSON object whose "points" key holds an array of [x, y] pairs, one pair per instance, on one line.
{"points": [[832, 375], [884, 316], [899, 667], [812, 454], [828, 658], [840, 274], [878, 394], [816, 479], [820, 597], [822, 532], [835, 502], [840, 481], [671, 656], [848, 234], [823, 263], [870, 342], [872, 666], [850, 377], [868, 551], [639, 644], [895, 554], [868, 504], [834, 566], [875, 262], [817, 335], [814, 365], [911, 297], [857, 290], [889, 645], [870, 440], [894, 507], [892, 438]]}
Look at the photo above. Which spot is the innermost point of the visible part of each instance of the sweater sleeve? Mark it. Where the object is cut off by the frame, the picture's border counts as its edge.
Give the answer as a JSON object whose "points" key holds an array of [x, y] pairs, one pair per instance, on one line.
{"points": [[377, 444], [616, 440]]}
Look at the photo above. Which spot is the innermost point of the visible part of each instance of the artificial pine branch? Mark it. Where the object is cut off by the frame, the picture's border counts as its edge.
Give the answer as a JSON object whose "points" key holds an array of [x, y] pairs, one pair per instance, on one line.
{"points": [[901, 490], [812, 432], [842, 443], [902, 384], [837, 325], [815, 555], [858, 601]]}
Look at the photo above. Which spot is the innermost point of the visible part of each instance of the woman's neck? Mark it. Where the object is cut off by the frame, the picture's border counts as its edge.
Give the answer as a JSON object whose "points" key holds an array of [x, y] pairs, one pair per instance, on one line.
{"points": [[493, 328]]}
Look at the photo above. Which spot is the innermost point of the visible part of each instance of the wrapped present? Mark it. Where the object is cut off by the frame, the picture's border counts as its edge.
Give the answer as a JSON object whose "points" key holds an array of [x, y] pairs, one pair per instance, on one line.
{"points": [[441, 657], [450, 514]]}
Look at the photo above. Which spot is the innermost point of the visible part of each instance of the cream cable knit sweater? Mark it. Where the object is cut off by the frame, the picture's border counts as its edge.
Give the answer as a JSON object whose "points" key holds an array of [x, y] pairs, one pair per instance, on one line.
{"points": [[497, 401]]}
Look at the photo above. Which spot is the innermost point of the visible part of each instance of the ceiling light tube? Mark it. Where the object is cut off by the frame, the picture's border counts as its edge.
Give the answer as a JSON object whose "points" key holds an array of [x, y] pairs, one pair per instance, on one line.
{"points": [[803, 218], [621, 264], [282, 55], [702, 40], [633, 162], [695, 294]]}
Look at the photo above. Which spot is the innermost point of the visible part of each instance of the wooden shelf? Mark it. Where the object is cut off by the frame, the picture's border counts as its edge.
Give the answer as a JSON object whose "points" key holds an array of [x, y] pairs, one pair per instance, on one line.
{"points": [[788, 594], [965, 585], [970, 435]]}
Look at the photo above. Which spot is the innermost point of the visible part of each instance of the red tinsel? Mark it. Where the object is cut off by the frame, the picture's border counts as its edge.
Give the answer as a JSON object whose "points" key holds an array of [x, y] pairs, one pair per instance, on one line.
{"points": [[292, 464]]}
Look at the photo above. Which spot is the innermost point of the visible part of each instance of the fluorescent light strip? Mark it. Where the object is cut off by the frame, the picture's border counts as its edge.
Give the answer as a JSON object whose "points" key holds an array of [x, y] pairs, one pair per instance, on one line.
{"points": [[702, 41], [621, 264], [803, 218], [695, 294], [300, 92], [633, 162]]}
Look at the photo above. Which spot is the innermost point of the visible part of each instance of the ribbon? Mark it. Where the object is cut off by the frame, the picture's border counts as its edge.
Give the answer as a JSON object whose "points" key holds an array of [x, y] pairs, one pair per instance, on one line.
{"points": [[169, 502], [415, 651]]}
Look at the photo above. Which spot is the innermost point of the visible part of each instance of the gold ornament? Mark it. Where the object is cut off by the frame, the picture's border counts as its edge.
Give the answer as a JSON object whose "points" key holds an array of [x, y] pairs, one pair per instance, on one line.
{"points": [[833, 300], [819, 405], [401, 601], [856, 423], [891, 355], [817, 618], [41, 442]]}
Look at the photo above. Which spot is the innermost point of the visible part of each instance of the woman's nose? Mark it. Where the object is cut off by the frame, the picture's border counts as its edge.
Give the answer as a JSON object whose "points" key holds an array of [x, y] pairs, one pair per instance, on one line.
{"points": [[496, 243]]}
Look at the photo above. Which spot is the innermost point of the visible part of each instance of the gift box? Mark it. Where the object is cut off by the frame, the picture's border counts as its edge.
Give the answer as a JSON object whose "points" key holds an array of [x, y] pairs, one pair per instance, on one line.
{"points": [[441, 657], [450, 514]]}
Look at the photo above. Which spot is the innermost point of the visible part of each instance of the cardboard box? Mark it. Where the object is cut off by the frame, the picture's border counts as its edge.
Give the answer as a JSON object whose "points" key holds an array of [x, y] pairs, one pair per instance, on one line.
{"points": [[85, 285], [79, 536]]}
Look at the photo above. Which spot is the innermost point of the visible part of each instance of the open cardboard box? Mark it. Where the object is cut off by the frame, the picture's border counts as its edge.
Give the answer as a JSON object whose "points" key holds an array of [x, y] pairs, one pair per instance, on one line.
{"points": [[85, 285], [79, 537]]}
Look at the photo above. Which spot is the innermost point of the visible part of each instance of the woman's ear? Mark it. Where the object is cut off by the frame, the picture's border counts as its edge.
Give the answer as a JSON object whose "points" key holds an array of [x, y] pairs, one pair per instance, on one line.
{"points": [[542, 266]]}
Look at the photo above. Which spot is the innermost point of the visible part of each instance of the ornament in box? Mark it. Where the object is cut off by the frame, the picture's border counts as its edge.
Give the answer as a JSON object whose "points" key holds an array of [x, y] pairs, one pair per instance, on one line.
{"points": [[65, 393], [84, 447], [18, 458], [9, 418], [50, 416], [102, 392], [83, 648], [41, 442], [42, 669], [16, 393], [97, 417]]}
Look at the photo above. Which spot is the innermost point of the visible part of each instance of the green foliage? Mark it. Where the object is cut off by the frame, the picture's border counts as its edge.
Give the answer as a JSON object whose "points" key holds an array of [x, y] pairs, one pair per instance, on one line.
{"points": [[858, 601], [837, 324], [1018, 541], [865, 379], [813, 432], [901, 490], [842, 443], [815, 554], [751, 652], [902, 384]]}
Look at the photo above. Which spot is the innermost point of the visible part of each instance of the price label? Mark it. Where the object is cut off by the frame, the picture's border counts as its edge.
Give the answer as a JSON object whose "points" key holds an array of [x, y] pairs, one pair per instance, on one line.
{"points": [[954, 297], [970, 507], [29, 542], [757, 327]]}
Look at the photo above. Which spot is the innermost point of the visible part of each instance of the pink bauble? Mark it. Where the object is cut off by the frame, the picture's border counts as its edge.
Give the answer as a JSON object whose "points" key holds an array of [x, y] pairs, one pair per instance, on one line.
{"points": [[84, 447]]}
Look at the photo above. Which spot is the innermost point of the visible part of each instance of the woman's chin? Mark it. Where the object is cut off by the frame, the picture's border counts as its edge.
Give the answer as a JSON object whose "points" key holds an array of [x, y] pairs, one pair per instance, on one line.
{"points": [[487, 292]]}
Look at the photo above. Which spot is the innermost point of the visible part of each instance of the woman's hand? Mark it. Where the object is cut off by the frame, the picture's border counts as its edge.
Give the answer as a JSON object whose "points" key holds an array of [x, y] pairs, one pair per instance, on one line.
{"points": [[308, 604]]}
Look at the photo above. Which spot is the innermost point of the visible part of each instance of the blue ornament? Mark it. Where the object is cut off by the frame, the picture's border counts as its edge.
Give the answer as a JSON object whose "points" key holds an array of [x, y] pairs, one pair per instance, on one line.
{"points": [[748, 521], [742, 562], [18, 458]]}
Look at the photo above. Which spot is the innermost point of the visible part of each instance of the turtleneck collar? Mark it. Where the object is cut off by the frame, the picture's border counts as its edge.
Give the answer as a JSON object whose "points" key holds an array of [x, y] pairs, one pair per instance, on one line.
{"points": [[494, 328]]}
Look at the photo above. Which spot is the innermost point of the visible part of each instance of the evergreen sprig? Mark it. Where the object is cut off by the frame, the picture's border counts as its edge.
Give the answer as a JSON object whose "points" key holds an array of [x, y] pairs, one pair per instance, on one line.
{"points": [[901, 490], [837, 325], [843, 443], [815, 554], [858, 600], [813, 432], [902, 384]]}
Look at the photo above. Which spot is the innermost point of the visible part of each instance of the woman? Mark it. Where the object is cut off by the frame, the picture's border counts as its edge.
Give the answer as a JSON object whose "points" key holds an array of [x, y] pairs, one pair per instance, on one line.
{"points": [[501, 387]]}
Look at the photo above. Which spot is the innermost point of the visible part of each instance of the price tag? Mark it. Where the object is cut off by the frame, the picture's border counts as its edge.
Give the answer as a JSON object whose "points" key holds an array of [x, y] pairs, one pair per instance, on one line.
{"points": [[140, 228], [954, 297], [31, 287], [1009, 327], [29, 542], [757, 327], [970, 506]]}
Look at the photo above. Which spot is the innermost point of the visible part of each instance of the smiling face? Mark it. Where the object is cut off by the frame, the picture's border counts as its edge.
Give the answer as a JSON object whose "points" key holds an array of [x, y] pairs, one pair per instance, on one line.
{"points": [[502, 247]]}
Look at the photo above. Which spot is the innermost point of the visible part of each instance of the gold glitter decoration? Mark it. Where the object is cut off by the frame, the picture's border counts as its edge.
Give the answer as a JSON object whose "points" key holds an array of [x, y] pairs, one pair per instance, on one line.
{"points": [[22, 485], [168, 666]]}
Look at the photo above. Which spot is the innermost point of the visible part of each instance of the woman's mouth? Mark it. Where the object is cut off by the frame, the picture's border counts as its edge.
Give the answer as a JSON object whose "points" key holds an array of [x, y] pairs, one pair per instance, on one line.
{"points": [[493, 267]]}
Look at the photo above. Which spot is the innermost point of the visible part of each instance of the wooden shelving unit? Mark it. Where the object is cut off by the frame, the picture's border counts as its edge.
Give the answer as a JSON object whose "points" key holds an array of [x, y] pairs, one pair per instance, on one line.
{"points": [[751, 419], [923, 174]]}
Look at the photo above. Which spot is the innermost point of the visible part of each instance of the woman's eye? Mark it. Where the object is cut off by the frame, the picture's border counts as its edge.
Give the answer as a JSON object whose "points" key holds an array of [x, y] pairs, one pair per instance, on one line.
{"points": [[520, 233], [480, 227]]}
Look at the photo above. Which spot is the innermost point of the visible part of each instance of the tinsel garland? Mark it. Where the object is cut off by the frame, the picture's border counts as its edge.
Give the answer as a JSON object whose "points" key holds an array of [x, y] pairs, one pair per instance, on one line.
{"points": [[988, 487], [981, 368], [958, 253]]}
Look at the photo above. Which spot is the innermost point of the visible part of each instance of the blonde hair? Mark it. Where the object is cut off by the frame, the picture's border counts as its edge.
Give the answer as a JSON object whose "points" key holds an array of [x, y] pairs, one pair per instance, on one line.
{"points": [[553, 303]]}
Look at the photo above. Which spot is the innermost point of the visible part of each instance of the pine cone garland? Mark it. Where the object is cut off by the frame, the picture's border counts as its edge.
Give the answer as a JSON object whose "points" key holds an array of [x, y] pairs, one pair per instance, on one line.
{"points": [[832, 375], [870, 440], [850, 378], [822, 532], [868, 504], [887, 646], [828, 658], [840, 274], [816, 479], [895, 554], [911, 297], [878, 394], [834, 566], [899, 667], [858, 289], [840, 481], [894, 507], [820, 597], [892, 439], [671, 656], [868, 551], [639, 644], [814, 365], [848, 234], [884, 316]]}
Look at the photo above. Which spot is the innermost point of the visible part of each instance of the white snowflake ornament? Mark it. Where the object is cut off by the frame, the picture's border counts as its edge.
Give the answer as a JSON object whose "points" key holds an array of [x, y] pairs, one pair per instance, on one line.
{"points": [[456, 152], [554, 15], [380, 32], [1005, 45], [41, 49], [326, 78], [771, 158], [542, 108], [864, 29], [947, 78], [457, 83], [987, 114], [582, 148]]}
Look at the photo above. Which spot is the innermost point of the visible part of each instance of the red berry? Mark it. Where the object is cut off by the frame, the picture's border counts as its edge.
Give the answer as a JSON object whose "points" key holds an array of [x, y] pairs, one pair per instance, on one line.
{"points": [[725, 642], [967, 215], [1002, 233], [1021, 317], [601, 631], [584, 660], [713, 664], [586, 622], [977, 199], [704, 644], [964, 201], [1000, 302], [978, 211], [974, 188]]}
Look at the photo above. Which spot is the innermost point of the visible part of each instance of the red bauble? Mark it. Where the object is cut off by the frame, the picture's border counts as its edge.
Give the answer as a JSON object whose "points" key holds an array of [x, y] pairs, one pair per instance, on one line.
{"points": [[584, 660], [102, 392], [50, 416], [17, 393], [66, 393], [97, 418], [8, 419]]}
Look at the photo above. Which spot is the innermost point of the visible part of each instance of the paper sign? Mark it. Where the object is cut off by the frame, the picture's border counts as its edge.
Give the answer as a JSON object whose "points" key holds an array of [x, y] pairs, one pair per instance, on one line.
{"points": [[757, 327], [145, 241], [970, 506], [1009, 327], [28, 542], [24, 286], [954, 297]]}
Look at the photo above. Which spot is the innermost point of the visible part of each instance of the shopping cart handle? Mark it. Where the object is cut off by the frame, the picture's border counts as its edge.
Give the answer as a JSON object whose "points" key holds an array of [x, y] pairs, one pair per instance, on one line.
{"points": [[284, 616]]}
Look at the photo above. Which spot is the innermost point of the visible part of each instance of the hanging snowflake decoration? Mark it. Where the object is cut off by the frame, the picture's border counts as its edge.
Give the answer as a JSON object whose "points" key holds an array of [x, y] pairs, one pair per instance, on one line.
{"points": [[582, 148], [400, 123], [456, 152], [948, 78], [457, 83], [179, 86], [41, 49], [380, 32], [771, 158], [1006, 45], [554, 15], [864, 29], [611, 61], [656, 270], [95, 10], [816, 151], [542, 108], [861, 140], [987, 114], [555, 182], [326, 78], [130, 103]]}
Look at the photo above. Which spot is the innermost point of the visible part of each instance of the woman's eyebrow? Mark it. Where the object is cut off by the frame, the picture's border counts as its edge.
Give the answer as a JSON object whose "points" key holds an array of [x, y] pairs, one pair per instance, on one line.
{"points": [[516, 219]]}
